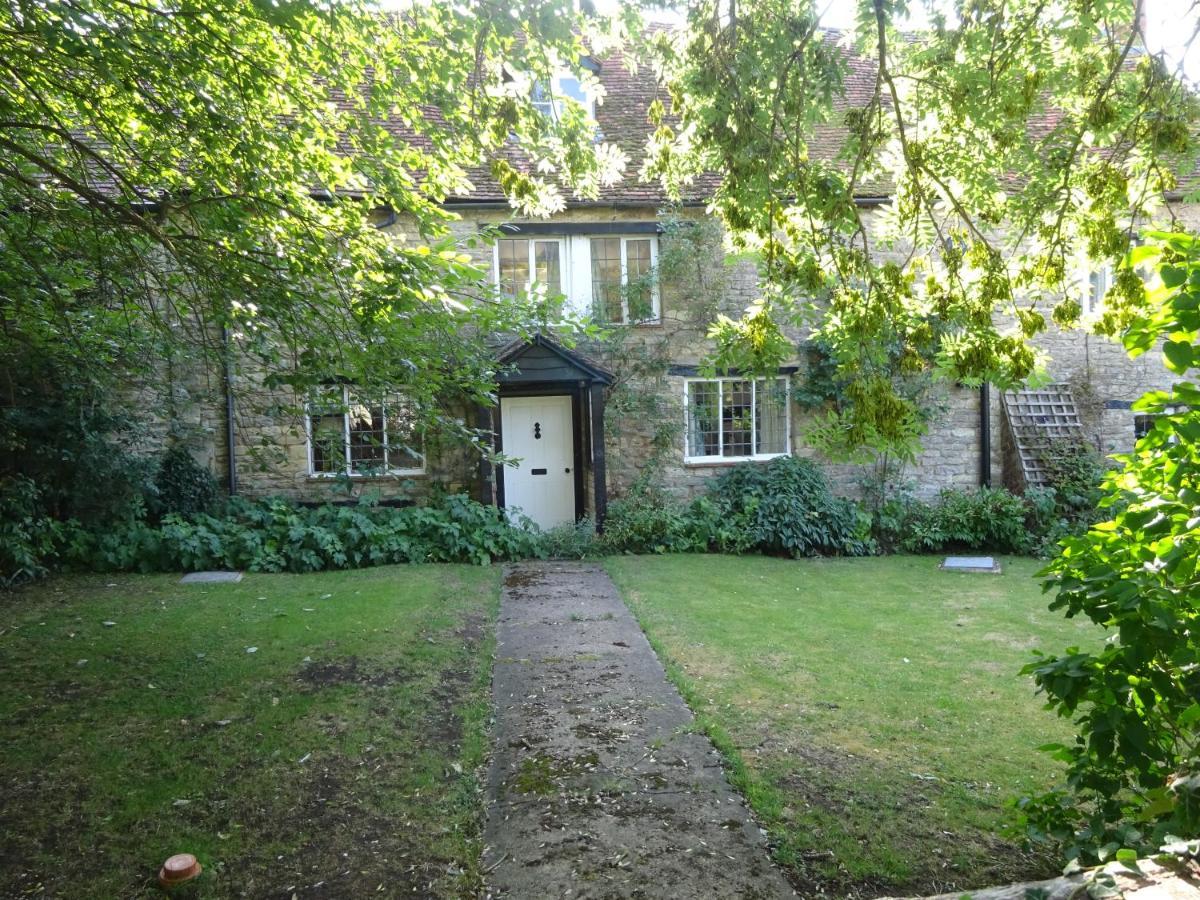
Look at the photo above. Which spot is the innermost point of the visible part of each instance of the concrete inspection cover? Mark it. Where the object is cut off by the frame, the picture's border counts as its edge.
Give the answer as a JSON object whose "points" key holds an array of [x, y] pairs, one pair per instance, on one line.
{"points": [[210, 577], [970, 564]]}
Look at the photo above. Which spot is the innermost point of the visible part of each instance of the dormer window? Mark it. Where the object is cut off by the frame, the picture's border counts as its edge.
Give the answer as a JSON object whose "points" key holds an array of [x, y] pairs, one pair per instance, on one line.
{"points": [[1099, 281], [550, 98]]}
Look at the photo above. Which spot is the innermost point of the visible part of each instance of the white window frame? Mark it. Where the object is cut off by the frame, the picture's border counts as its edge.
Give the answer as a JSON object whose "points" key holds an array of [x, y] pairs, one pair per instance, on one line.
{"points": [[347, 471], [787, 422], [655, 316], [575, 271], [564, 259], [553, 103], [1089, 304]]}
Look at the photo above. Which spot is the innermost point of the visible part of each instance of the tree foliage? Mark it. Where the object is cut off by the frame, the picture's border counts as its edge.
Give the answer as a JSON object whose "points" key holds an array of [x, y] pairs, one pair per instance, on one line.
{"points": [[1134, 769], [1012, 138], [174, 171]]}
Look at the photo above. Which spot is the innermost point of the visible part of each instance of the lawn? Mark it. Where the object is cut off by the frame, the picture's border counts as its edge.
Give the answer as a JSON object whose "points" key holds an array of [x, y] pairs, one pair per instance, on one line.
{"points": [[870, 708], [304, 736]]}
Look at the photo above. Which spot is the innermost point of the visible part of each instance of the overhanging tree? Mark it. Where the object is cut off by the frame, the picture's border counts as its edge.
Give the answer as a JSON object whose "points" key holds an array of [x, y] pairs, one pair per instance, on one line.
{"points": [[1012, 137], [176, 170]]}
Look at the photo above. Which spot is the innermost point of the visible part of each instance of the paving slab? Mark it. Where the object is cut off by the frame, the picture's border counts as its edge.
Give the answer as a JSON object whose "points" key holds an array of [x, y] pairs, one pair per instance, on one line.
{"points": [[210, 577], [596, 787]]}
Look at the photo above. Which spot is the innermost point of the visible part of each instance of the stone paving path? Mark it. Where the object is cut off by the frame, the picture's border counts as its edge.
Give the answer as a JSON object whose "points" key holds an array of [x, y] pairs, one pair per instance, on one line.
{"points": [[596, 788]]}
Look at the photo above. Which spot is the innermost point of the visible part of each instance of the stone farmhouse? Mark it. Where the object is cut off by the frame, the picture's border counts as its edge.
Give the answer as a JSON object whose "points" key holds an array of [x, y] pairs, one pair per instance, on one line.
{"points": [[584, 423]]}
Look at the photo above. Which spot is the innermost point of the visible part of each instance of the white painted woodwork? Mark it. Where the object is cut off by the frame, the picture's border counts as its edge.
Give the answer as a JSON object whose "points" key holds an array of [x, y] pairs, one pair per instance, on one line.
{"points": [[541, 483]]}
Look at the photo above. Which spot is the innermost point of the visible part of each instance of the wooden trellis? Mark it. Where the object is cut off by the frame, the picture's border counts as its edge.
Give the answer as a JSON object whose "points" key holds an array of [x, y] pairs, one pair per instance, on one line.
{"points": [[1039, 422]]}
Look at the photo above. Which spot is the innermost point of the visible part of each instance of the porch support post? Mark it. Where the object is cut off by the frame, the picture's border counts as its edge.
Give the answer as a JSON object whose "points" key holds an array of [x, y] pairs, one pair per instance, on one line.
{"points": [[483, 421], [599, 476]]}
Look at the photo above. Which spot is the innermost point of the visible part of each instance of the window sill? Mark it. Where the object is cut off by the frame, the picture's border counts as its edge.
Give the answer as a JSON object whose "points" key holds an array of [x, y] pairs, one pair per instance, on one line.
{"points": [[398, 475], [725, 462]]}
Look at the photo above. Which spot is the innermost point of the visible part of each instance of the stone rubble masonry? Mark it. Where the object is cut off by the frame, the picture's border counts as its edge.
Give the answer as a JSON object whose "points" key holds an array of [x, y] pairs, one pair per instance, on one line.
{"points": [[273, 457]]}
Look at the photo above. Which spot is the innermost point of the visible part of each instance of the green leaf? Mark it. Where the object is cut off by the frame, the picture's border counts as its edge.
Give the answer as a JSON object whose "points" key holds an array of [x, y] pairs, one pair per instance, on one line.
{"points": [[1179, 356]]}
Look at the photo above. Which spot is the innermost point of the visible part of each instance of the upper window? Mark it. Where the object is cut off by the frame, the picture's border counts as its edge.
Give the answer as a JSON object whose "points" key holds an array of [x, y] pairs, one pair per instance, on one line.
{"points": [[521, 263], [736, 419], [350, 435], [612, 279], [624, 287], [549, 98], [1143, 425]]}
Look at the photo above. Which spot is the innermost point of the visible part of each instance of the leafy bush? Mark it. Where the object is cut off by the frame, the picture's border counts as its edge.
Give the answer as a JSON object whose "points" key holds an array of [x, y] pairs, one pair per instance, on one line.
{"points": [[79, 458], [575, 541], [1133, 769], [277, 536], [183, 486], [28, 537], [649, 522], [1071, 502], [784, 507], [991, 519]]}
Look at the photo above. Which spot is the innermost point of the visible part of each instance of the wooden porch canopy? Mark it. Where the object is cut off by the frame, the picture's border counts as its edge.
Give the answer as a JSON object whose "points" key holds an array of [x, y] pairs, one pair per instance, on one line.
{"points": [[540, 366]]}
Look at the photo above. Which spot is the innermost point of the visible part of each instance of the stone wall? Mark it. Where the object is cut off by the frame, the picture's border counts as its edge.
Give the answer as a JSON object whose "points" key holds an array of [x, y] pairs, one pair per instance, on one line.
{"points": [[645, 417]]}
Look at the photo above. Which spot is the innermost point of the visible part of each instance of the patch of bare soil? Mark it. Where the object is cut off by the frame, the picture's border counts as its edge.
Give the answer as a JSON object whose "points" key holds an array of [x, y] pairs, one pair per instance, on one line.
{"points": [[348, 670]]}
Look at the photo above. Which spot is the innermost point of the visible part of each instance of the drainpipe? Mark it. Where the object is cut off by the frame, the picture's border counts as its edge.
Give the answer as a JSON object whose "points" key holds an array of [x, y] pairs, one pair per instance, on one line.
{"points": [[231, 448], [985, 435]]}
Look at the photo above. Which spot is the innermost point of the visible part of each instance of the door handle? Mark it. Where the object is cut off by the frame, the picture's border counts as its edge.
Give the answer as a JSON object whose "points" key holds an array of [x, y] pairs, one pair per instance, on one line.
{"points": [[537, 471], [567, 470]]}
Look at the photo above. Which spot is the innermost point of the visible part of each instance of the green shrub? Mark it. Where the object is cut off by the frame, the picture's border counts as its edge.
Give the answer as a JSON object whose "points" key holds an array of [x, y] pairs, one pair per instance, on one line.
{"points": [[985, 519], [783, 507], [575, 541], [29, 539], [278, 536], [182, 486], [649, 522]]}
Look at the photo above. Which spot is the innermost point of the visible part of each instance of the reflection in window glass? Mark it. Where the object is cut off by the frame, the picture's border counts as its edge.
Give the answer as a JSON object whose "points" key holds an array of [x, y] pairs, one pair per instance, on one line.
{"points": [[513, 266], [703, 429], [737, 419], [366, 438], [638, 265], [352, 434], [772, 418], [606, 279], [734, 418], [547, 267]]}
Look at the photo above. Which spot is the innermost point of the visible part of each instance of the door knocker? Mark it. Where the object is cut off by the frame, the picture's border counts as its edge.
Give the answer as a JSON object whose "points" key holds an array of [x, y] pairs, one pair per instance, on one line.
{"points": [[537, 431]]}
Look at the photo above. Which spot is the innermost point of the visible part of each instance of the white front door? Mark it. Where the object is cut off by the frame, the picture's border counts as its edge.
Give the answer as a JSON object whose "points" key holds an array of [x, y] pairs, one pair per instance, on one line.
{"points": [[538, 432]]}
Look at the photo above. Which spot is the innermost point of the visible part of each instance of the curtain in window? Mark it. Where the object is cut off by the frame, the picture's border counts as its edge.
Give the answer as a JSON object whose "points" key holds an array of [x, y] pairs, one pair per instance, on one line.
{"points": [[514, 266], [703, 427], [772, 416]]}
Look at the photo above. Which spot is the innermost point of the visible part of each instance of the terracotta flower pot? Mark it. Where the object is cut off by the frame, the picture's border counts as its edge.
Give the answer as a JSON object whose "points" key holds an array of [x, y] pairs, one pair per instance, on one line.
{"points": [[179, 868]]}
